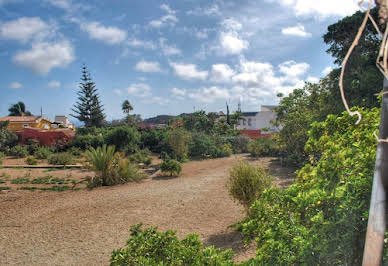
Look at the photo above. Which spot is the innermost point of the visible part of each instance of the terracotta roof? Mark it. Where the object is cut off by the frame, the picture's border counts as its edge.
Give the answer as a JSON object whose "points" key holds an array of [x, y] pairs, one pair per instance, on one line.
{"points": [[20, 119]]}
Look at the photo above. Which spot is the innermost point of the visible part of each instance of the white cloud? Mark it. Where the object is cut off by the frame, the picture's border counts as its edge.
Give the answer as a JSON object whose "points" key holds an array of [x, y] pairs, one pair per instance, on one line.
{"points": [[157, 100], [188, 71], [45, 56], [293, 69], [24, 29], [146, 66], [209, 95], [231, 24], [109, 35], [117, 92], [232, 44], [139, 89], [221, 73], [167, 49], [213, 10], [3, 2], [312, 79], [15, 85], [169, 19], [327, 70], [54, 84], [257, 82], [320, 8], [139, 43], [65, 4], [178, 93], [298, 30]]}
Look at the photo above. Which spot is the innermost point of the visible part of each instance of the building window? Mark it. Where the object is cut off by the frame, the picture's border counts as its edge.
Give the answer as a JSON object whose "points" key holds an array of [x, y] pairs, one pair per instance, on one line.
{"points": [[249, 122], [25, 125]]}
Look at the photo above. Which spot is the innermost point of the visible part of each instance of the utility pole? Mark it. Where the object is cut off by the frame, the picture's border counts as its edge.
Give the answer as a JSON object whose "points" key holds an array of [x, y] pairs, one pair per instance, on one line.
{"points": [[374, 242]]}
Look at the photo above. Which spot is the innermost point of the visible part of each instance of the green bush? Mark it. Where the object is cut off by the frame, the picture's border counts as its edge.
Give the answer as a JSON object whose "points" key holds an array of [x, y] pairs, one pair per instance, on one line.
{"points": [[172, 167], [127, 171], [75, 151], [224, 151], [31, 161], [84, 142], [246, 183], [8, 139], [263, 147], [63, 158], [153, 140], [19, 151], [240, 144], [110, 167], [202, 146], [151, 247], [2, 155], [32, 145], [42, 153], [124, 138], [141, 156], [178, 140], [322, 218]]}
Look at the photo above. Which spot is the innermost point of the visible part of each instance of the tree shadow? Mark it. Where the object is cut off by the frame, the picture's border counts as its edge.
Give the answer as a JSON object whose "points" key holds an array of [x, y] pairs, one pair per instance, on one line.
{"points": [[230, 240], [164, 177]]}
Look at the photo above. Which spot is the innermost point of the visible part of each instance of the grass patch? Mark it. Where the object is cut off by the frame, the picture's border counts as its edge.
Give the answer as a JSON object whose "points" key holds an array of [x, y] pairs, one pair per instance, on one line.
{"points": [[28, 188], [42, 180], [5, 188], [2, 181], [21, 180], [58, 181], [50, 170], [55, 188]]}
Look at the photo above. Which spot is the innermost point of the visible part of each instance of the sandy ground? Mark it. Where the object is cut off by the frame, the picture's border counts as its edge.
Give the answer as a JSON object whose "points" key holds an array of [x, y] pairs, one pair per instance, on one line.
{"points": [[83, 227]]}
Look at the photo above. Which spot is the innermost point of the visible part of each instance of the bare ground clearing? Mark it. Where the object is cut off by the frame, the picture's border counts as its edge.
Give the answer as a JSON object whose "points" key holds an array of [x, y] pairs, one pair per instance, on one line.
{"points": [[83, 227]]}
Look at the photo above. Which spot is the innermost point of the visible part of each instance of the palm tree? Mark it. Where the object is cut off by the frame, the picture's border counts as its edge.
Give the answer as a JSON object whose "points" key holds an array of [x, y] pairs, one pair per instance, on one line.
{"points": [[18, 109], [126, 107]]}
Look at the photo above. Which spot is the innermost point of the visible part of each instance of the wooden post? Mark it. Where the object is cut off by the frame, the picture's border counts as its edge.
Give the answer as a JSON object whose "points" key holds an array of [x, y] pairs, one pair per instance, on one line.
{"points": [[374, 242]]}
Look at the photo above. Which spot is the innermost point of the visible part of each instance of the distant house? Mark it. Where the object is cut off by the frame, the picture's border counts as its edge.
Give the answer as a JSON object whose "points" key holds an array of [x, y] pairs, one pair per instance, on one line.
{"points": [[18, 123], [259, 120], [61, 121]]}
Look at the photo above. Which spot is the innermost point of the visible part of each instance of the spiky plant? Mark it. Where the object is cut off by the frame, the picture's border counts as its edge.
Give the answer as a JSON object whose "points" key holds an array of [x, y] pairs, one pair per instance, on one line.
{"points": [[102, 161]]}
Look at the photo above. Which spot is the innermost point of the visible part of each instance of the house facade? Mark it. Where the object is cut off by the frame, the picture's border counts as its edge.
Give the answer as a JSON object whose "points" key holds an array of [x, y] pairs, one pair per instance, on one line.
{"points": [[259, 120], [61, 121], [19, 123]]}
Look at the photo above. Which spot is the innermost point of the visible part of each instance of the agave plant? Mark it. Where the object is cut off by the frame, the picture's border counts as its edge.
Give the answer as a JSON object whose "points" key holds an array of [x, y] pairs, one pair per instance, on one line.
{"points": [[102, 161]]}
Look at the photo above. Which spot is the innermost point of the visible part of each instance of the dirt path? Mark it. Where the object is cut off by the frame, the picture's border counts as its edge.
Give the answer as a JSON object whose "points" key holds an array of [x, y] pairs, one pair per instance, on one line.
{"points": [[83, 227]]}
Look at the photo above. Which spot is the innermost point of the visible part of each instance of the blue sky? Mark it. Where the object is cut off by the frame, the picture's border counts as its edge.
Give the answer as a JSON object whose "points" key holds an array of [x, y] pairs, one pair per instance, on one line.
{"points": [[165, 57]]}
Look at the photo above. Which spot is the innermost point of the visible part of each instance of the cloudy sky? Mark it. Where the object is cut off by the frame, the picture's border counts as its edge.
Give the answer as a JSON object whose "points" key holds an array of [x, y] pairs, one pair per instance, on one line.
{"points": [[165, 57]]}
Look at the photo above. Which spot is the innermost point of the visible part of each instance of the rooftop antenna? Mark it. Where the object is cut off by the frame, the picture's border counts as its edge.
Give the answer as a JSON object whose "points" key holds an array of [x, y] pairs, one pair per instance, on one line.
{"points": [[239, 105], [41, 111]]}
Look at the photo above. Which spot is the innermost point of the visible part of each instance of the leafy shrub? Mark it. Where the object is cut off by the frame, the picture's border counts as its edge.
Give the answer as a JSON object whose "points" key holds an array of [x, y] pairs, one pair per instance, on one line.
{"points": [[240, 144], [178, 140], [172, 167], [202, 146], [224, 151], [8, 139], [32, 145], [124, 138], [63, 158], [84, 142], [151, 247], [322, 218], [75, 151], [42, 153], [19, 151], [153, 140], [1, 157], [31, 161], [246, 183], [141, 156], [263, 147], [127, 171], [102, 160]]}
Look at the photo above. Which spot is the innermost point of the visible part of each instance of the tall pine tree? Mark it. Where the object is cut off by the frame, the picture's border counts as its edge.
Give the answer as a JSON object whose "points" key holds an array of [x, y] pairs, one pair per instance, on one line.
{"points": [[88, 108]]}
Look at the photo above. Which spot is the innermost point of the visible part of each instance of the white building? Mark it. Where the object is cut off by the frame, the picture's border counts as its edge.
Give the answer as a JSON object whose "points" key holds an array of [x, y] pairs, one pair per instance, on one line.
{"points": [[62, 121], [259, 120]]}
